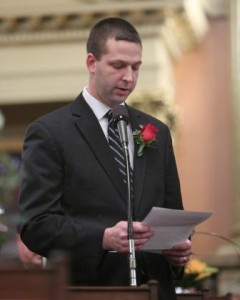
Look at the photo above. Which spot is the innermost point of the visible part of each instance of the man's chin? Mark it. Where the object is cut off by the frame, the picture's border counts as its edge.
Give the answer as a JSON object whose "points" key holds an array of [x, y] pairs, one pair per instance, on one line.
{"points": [[119, 100], [122, 98]]}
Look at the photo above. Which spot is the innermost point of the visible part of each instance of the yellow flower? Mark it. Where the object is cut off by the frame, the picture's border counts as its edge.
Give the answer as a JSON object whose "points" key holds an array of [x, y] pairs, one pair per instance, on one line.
{"points": [[195, 266], [200, 268]]}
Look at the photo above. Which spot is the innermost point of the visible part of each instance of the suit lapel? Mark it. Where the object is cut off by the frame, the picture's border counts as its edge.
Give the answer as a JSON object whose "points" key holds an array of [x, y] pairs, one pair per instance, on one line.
{"points": [[90, 129]]}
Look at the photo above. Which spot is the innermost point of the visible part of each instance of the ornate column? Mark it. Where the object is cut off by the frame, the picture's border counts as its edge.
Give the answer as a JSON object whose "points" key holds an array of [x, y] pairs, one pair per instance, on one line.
{"points": [[235, 49]]}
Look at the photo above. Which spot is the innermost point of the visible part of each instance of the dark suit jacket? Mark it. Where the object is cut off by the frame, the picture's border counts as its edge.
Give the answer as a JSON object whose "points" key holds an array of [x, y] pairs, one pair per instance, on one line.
{"points": [[71, 191]]}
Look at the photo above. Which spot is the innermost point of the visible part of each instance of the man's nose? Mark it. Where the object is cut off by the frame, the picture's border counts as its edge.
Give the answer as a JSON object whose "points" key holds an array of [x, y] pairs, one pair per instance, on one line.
{"points": [[128, 74]]}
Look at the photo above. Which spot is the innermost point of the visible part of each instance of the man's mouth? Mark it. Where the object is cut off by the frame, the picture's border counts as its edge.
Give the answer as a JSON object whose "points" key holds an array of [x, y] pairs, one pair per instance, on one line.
{"points": [[123, 90]]}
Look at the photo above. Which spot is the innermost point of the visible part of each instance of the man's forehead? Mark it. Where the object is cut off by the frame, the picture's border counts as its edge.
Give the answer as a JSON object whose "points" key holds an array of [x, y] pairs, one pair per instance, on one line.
{"points": [[122, 46]]}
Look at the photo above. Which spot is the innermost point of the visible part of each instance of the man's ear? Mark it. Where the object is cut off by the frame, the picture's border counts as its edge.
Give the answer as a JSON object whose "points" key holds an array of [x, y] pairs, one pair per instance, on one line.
{"points": [[90, 61]]}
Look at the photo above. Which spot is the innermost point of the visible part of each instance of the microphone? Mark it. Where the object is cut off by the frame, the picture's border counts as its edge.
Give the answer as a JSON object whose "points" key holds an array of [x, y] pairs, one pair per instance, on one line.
{"points": [[120, 116]]}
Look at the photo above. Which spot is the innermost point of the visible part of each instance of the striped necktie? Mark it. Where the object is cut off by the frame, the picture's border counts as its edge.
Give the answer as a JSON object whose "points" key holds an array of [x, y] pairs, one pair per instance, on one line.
{"points": [[115, 145]]}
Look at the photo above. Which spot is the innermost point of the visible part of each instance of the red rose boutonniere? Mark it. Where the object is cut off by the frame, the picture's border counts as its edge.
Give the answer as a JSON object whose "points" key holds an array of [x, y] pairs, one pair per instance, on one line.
{"points": [[145, 137]]}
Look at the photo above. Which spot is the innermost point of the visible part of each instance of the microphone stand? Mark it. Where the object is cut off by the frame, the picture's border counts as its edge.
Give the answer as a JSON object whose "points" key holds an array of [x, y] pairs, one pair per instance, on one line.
{"points": [[132, 258]]}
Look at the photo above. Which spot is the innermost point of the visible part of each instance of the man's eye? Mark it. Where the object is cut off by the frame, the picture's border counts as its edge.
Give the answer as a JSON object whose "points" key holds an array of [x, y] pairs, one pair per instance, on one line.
{"points": [[136, 68], [118, 66]]}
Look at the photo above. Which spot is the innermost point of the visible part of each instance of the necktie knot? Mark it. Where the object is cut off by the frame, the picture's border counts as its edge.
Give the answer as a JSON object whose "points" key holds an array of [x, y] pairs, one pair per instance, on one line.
{"points": [[109, 116]]}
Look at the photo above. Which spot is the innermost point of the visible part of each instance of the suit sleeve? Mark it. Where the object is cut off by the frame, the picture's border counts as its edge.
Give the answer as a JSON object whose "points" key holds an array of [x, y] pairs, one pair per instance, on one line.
{"points": [[173, 198], [45, 224]]}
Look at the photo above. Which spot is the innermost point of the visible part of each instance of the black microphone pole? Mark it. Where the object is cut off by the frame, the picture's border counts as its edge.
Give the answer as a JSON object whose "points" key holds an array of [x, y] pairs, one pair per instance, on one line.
{"points": [[120, 115]]}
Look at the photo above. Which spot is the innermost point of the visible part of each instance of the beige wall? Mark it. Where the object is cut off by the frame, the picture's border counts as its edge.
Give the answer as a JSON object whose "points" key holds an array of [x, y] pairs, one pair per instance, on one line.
{"points": [[203, 144]]}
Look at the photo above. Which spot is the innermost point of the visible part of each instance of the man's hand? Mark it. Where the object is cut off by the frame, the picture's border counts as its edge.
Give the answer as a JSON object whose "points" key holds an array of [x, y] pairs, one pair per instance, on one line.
{"points": [[179, 255], [116, 238], [29, 259]]}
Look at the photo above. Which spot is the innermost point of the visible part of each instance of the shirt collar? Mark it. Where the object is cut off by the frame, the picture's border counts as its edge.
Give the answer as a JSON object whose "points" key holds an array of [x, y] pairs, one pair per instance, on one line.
{"points": [[99, 108]]}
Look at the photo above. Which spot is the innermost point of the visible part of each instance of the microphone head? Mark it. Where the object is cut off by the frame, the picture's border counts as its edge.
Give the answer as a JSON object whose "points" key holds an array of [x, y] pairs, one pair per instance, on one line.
{"points": [[119, 113]]}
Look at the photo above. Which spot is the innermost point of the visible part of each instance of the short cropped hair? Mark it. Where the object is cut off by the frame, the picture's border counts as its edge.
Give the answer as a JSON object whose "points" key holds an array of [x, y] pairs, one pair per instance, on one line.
{"points": [[112, 27]]}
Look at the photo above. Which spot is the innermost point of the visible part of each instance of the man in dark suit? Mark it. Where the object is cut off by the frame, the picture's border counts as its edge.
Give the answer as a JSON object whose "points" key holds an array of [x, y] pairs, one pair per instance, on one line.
{"points": [[72, 196]]}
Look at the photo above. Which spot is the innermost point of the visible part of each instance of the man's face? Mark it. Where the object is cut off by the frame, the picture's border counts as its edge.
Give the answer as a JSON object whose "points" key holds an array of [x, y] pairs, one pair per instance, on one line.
{"points": [[114, 76]]}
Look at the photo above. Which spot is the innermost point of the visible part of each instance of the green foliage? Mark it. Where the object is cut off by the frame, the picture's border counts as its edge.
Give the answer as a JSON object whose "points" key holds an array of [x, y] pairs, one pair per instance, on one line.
{"points": [[9, 178]]}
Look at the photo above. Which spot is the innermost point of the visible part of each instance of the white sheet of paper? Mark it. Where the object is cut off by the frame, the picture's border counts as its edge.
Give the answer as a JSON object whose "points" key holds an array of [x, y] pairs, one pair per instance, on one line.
{"points": [[171, 227]]}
